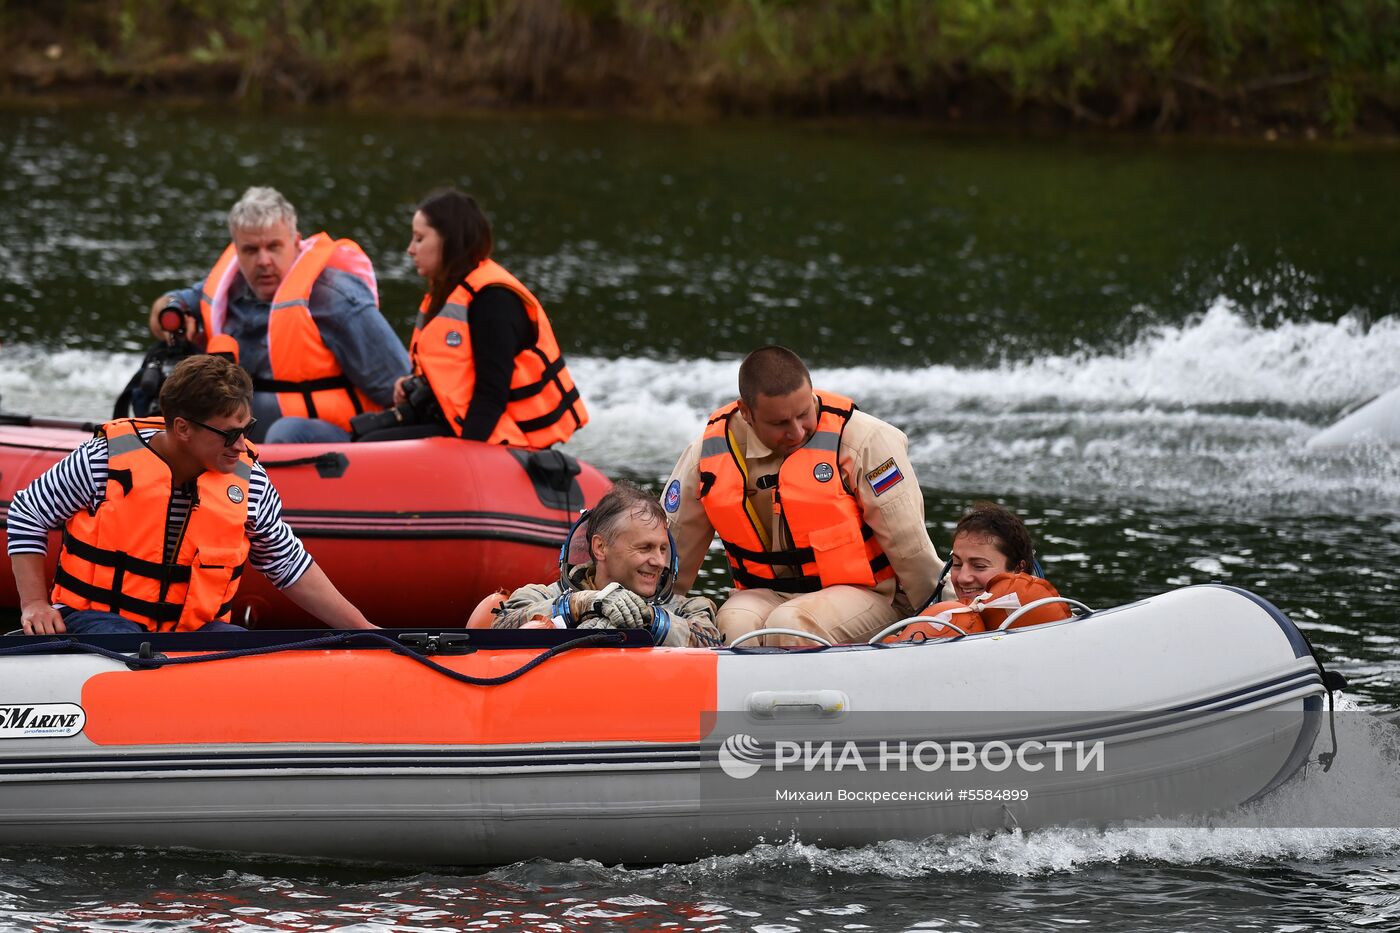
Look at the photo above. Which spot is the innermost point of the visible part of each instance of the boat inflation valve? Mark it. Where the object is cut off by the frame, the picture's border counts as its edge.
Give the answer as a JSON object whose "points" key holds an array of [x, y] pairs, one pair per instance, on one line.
{"points": [[553, 475], [330, 465]]}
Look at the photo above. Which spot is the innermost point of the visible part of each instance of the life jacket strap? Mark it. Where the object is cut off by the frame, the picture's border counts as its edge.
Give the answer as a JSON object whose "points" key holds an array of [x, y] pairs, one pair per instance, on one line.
{"points": [[307, 387], [752, 581], [550, 374], [224, 610], [796, 557], [116, 600], [303, 386], [565, 406], [124, 563], [792, 557]]}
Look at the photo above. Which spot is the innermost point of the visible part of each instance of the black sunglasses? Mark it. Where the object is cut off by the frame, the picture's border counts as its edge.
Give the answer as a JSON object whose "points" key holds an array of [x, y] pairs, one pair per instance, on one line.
{"points": [[230, 436]]}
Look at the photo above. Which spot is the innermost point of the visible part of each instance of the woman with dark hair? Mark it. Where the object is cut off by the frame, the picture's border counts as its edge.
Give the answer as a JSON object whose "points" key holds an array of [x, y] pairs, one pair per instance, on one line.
{"points": [[989, 539], [994, 573], [482, 341]]}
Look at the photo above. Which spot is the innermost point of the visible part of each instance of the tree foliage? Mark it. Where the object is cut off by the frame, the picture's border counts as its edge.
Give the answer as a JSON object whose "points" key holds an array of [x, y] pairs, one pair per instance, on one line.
{"points": [[1110, 62]]}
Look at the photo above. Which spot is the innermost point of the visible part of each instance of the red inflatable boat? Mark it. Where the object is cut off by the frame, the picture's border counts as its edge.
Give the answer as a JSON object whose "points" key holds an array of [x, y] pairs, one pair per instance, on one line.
{"points": [[414, 533]]}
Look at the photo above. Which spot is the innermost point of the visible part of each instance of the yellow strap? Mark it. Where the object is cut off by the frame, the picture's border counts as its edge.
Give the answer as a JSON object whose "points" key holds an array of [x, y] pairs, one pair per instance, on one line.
{"points": [[758, 526]]}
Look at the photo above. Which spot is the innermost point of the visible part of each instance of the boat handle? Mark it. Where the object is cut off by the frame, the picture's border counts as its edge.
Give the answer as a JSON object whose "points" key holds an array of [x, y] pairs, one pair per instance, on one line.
{"points": [[891, 629], [1044, 602], [759, 632], [825, 704]]}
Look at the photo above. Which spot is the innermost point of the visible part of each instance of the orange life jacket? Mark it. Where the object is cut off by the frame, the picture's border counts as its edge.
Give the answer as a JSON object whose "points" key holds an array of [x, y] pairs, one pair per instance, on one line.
{"points": [[953, 611], [831, 543], [113, 557], [1005, 593], [543, 407], [307, 378]]}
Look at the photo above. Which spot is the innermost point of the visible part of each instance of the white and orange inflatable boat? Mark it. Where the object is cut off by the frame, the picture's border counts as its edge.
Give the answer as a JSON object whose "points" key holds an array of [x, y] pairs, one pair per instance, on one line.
{"points": [[486, 747], [1375, 422], [412, 532]]}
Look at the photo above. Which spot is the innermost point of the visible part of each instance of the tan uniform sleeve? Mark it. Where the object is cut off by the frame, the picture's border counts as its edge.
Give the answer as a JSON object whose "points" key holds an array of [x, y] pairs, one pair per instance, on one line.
{"points": [[532, 599], [875, 463], [689, 524], [692, 624]]}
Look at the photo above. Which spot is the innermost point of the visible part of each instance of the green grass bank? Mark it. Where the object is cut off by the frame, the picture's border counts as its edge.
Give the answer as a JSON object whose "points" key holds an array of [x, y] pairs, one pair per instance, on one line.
{"points": [[1278, 66]]}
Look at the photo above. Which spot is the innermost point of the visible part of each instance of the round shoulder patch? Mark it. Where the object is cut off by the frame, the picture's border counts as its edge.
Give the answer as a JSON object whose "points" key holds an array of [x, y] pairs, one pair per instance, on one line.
{"points": [[235, 494], [454, 338], [823, 472], [672, 500]]}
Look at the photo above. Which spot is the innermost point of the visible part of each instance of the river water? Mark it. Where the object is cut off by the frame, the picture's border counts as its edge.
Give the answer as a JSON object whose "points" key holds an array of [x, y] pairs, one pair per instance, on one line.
{"points": [[1128, 341]]}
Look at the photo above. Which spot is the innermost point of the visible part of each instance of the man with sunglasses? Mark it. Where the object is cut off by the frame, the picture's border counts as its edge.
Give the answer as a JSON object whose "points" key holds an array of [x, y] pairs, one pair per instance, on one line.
{"points": [[158, 520]]}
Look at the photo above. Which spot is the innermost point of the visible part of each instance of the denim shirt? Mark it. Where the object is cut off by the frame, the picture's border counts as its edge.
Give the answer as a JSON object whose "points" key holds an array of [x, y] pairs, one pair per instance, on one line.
{"points": [[351, 325]]}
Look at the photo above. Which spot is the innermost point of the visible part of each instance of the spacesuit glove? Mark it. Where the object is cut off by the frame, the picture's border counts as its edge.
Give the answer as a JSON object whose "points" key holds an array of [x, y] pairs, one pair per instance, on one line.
{"points": [[615, 606]]}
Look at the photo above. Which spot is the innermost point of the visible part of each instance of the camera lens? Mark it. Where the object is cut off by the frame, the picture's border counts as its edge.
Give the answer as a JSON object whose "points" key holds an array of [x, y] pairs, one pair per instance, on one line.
{"points": [[171, 319]]}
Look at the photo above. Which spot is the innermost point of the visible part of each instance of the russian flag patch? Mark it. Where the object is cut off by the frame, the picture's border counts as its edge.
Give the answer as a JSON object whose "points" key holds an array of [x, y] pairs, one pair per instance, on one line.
{"points": [[884, 476]]}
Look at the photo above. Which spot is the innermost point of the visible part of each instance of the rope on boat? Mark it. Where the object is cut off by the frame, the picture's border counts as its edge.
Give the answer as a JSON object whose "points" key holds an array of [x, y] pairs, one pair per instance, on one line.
{"points": [[144, 660], [1332, 682]]}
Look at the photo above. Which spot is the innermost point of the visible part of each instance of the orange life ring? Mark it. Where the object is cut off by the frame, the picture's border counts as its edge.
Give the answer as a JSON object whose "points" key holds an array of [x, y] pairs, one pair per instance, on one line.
{"points": [[484, 615], [1007, 592], [953, 611]]}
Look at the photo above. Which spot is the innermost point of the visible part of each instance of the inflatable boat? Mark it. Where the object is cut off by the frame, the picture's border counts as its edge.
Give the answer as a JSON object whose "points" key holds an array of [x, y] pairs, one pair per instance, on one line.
{"points": [[1374, 422], [412, 532], [487, 747]]}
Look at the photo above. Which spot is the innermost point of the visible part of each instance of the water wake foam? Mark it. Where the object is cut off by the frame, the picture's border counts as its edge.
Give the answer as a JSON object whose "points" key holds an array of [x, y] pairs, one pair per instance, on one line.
{"points": [[1218, 363], [1217, 410], [1352, 810]]}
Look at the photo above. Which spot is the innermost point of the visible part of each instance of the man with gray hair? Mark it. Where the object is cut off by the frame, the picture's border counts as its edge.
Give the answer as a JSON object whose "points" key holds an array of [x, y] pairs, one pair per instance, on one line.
{"points": [[301, 316], [622, 580]]}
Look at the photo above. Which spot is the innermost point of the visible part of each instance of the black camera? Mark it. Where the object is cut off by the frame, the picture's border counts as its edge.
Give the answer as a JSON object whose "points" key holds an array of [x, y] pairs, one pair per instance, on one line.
{"points": [[155, 369], [421, 408], [142, 393]]}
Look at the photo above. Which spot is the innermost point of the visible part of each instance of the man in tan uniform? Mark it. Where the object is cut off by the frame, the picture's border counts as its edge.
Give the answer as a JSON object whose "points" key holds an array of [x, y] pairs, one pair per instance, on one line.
{"points": [[816, 504]]}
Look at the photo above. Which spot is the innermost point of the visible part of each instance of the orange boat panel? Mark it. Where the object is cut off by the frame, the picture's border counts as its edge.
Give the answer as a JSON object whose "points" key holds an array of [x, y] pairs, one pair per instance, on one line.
{"points": [[410, 530], [373, 697]]}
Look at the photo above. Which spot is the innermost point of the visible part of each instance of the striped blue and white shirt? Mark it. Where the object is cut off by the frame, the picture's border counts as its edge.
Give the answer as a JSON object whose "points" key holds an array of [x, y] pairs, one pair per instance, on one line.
{"points": [[79, 481]]}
